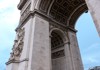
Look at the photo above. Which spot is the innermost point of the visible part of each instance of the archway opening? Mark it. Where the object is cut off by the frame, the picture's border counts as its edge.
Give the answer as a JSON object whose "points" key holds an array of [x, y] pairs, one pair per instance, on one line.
{"points": [[57, 52], [65, 13], [88, 40]]}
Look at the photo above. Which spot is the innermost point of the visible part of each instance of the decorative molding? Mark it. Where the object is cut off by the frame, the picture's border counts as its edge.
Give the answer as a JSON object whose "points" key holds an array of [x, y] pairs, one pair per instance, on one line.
{"points": [[53, 23], [62, 12], [17, 61], [25, 13], [44, 5], [58, 54], [76, 13], [21, 4], [62, 9], [56, 41], [18, 46], [36, 12]]}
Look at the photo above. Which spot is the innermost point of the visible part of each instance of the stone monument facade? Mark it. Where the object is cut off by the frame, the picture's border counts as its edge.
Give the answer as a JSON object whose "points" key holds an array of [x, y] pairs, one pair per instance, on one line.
{"points": [[46, 36]]}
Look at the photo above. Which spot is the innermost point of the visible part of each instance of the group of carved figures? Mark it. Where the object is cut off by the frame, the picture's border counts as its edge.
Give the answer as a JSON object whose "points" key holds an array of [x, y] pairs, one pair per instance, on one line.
{"points": [[18, 45]]}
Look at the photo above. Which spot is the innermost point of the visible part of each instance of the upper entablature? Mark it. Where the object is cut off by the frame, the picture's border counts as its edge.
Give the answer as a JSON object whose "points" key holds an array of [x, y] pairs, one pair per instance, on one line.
{"points": [[21, 4], [35, 4], [66, 12]]}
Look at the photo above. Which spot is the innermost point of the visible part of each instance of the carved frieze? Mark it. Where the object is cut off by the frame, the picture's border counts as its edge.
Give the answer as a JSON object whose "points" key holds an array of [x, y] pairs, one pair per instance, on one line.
{"points": [[54, 25], [18, 45], [58, 54]]}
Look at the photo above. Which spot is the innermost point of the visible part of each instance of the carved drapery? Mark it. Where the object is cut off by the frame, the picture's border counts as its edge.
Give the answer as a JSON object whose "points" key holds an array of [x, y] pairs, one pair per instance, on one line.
{"points": [[18, 46]]}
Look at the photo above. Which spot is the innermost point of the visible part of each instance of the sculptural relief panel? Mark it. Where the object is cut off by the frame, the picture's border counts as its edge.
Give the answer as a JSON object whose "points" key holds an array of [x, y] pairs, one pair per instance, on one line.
{"points": [[18, 46]]}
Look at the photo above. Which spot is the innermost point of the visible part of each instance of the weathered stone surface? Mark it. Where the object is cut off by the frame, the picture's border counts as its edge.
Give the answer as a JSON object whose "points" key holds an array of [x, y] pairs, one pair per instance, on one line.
{"points": [[39, 58], [12, 66], [74, 52], [94, 6], [36, 48]]}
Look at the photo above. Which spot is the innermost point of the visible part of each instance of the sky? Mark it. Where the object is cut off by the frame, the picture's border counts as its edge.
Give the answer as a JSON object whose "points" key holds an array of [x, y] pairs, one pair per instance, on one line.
{"points": [[88, 38], [9, 19]]}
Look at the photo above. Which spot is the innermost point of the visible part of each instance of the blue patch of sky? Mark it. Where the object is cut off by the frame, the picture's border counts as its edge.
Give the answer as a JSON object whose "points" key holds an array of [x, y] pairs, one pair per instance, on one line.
{"points": [[89, 41], [7, 26]]}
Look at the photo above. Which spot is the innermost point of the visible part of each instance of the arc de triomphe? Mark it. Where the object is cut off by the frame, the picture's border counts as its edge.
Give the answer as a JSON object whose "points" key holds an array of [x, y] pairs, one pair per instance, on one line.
{"points": [[46, 36]]}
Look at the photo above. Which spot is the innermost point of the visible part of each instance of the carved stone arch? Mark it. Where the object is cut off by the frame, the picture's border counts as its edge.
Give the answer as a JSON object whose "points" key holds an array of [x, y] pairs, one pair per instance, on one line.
{"points": [[76, 14], [63, 11], [61, 33], [59, 45], [44, 5]]}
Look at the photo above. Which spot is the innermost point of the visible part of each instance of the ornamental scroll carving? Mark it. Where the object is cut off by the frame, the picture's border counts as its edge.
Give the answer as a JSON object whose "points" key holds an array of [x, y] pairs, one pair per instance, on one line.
{"points": [[18, 45]]}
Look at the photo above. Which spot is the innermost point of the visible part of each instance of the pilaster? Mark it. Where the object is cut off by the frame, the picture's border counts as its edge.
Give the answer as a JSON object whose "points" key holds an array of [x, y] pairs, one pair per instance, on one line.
{"points": [[24, 59], [69, 65], [74, 51], [39, 54]]}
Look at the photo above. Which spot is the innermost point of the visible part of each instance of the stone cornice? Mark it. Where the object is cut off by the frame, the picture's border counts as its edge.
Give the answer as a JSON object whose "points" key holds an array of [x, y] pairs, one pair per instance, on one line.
{"points": [[21, 4], [16, 61], [47, 17], [36, 12], [72, 29]]}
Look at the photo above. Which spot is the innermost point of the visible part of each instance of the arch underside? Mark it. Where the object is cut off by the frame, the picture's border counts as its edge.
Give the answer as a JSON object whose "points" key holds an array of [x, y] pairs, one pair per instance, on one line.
{"points": [[65, 12]]}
